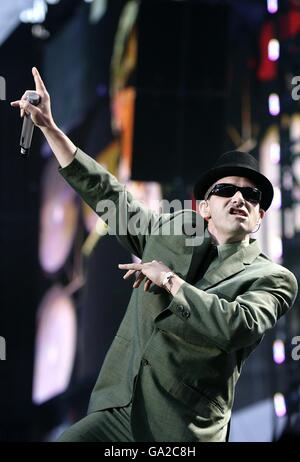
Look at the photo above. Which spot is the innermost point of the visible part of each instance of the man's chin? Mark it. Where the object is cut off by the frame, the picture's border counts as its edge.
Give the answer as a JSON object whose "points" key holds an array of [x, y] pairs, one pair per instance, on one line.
{"points": [[239, 232]]}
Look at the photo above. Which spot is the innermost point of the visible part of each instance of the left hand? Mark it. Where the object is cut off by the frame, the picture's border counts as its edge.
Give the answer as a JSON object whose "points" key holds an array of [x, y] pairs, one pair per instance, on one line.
{"points": [[40, 115], [151, 271]]}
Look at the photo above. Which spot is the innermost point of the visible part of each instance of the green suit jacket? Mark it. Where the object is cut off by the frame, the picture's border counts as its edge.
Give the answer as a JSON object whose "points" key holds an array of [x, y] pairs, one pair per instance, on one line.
{"points": [[177, 359]]}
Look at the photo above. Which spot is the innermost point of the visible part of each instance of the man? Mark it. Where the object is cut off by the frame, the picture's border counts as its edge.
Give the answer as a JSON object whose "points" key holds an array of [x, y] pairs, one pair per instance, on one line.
{"points": [[171, 371]]}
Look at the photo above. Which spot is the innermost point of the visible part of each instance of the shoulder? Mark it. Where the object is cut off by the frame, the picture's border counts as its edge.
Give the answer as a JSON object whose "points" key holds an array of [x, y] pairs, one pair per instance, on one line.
{"points": [[286, 274], [182, 216], [281, 275], [182, 222], [275, 267]]}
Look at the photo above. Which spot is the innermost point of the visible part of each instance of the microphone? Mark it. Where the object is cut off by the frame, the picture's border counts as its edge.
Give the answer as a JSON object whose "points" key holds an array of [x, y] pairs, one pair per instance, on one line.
{"points": [[28, 125]]}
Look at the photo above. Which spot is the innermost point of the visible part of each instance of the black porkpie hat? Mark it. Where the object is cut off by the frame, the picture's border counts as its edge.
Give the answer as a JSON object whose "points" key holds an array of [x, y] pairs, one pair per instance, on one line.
{"points": [[236, 163]]}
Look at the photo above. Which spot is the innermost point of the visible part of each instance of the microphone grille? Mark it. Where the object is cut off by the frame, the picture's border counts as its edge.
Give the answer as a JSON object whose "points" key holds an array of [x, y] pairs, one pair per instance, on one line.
{"points": [[34, 98]]}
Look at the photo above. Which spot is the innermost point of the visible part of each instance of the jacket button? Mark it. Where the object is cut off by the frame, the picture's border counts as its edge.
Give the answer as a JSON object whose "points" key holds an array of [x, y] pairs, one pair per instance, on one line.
{"points": [[186, 314], [145, 362], [180, 308]]}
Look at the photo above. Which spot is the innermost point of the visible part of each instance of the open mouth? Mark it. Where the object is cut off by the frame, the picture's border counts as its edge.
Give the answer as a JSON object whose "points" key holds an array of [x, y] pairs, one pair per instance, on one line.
{"points": [[239, 212]]}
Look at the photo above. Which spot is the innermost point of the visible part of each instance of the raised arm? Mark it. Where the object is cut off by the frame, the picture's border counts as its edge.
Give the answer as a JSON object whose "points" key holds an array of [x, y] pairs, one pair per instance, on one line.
{"points": [[97, 187]]}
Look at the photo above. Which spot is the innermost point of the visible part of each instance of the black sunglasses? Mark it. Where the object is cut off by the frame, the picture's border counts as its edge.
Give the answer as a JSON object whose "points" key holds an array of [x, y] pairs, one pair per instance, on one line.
{"points": [[228, 190]]}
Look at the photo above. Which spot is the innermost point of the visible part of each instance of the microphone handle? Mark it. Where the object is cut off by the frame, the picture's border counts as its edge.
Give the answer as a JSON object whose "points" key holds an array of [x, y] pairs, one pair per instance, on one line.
{"points": [[26, 135], [28, 126]]}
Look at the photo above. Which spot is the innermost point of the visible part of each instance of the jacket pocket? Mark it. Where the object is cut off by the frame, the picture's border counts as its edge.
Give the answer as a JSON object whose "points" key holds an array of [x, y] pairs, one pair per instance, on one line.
{"points": [[199, 400]]}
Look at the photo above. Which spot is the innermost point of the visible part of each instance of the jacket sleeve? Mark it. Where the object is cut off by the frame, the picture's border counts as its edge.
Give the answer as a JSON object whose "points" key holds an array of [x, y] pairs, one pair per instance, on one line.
{"points": [[126, 217], [242, 322]]}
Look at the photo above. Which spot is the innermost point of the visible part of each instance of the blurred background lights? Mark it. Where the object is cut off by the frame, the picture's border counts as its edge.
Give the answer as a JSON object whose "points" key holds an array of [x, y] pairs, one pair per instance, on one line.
{"points": [[272, 6], [276, 203], [289, 223], [294, 126], [55, 345], [36, 14], [273, 50], [275, 153], [58, 219], [276, 248], [278, 351], [274, 104], [287, 180], [58, 213], [279, 405], [40, 32]]}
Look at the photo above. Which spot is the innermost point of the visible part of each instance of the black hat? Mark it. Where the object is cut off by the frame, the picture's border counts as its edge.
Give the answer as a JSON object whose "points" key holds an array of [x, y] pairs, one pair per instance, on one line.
{"points": [[236, 163]]}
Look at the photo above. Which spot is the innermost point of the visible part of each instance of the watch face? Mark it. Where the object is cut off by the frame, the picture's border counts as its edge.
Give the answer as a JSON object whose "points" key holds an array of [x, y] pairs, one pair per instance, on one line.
{"points": [[167, 277]]}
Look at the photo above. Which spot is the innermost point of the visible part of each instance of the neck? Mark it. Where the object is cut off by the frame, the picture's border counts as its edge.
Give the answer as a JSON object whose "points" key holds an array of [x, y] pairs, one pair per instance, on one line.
{"points": [[219, 238]]}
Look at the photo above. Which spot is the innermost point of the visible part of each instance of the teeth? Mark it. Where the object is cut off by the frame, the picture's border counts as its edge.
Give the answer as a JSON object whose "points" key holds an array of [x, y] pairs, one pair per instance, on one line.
{"points": [[237, 212]]}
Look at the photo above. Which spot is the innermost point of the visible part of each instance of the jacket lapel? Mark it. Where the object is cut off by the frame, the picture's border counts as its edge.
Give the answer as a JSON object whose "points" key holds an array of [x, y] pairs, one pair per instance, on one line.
{"points": [[231, 265], [188, 250], [198, 254]]}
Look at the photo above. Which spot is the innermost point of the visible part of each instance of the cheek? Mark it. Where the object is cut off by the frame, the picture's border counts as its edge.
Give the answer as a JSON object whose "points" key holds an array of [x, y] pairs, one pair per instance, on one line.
{"points": [[219, 216], [254, 217], [218, 206]]}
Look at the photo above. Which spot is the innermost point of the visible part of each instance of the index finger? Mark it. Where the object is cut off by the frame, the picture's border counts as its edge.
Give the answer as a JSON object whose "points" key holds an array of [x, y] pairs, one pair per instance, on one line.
{"points": [[134, 266], [39, 84]]}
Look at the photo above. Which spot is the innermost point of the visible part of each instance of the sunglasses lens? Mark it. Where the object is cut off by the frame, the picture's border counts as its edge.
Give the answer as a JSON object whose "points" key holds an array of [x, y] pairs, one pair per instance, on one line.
{"points": [[252, 195], [224, 190], [228, 190]]}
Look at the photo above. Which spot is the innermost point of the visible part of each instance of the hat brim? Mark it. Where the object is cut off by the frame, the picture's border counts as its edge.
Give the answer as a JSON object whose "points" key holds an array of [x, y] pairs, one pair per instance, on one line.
{"points": [[213, 175]]}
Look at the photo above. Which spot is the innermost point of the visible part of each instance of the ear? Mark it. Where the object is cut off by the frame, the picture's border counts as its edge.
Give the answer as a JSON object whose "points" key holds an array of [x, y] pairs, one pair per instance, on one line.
{"points": [[204, 210], [261, 215]]}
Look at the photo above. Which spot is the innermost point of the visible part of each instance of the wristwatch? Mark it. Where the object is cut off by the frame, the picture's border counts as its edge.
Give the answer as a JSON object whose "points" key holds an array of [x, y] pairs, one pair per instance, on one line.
{"points": [[167, 279]]}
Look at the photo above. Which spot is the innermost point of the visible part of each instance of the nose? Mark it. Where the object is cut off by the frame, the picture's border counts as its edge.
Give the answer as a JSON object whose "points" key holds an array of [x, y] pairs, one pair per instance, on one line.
{"points": [[238, 198]]}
